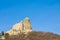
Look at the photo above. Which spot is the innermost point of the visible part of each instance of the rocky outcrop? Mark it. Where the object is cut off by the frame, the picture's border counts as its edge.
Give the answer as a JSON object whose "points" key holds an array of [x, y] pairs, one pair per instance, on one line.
{"points": [[23, 26]]}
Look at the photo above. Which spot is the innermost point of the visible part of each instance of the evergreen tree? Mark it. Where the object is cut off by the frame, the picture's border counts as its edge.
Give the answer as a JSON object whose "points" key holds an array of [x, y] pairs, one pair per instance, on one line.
{"points": [[2, 32]]}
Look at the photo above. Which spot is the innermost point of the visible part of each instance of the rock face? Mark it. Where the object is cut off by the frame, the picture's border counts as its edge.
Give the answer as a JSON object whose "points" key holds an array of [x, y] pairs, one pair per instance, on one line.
{"points": [[23, 26]]}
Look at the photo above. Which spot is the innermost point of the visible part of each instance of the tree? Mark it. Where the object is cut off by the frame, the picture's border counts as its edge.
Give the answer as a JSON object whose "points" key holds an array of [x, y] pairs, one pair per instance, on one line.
{"points": [[2, 32], [6, 36]]}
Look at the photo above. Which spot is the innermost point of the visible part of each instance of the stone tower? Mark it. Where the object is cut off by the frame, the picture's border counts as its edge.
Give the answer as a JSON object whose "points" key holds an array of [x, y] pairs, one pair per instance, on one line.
{"points": [[27, 23]]}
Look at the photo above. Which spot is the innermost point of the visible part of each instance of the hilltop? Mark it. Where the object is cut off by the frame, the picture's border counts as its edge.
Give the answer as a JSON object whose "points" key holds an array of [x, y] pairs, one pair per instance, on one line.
{"points": [[24, 31], [34, 36]]}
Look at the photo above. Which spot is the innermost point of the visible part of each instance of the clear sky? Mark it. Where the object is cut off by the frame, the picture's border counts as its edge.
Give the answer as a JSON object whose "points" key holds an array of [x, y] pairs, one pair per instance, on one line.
{"points": [[44, 14]]}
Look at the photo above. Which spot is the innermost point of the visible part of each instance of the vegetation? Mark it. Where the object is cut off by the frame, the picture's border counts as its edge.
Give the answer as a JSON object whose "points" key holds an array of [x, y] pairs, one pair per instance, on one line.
{"points": [[33, 36], [2, 32]]}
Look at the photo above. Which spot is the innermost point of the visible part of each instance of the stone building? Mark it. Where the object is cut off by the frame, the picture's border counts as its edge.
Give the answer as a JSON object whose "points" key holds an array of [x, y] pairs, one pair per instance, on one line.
{"points": [[23, 26]]}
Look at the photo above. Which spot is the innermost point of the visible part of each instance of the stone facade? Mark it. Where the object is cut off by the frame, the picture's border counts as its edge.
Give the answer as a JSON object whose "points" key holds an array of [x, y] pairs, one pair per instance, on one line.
{"points": [[23, 26]]}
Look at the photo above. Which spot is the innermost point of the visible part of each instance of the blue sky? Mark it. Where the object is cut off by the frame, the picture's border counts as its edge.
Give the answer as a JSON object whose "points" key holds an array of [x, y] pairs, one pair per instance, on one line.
{"points": [[44, 14]]}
